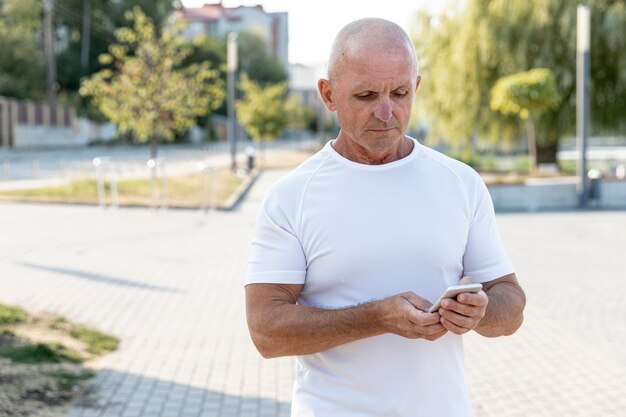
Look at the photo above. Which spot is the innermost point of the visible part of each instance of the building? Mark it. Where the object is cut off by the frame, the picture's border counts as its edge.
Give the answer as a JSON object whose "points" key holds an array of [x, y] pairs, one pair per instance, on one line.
{"points": [[217, 21]]}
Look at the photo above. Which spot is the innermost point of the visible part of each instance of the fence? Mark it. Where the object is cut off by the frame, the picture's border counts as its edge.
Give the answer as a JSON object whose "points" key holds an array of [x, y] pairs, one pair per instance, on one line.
{"points": [[14, 113]]}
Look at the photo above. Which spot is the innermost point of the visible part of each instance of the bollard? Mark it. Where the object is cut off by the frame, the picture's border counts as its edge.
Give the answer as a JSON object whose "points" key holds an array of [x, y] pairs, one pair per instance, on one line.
{"points": [[250, 155], [36, 169], [213, 174], [595, 177], [202, 182], [158, 183], [113, 181], [165, 193], [97, 163], [6, 170], [153, 185]]}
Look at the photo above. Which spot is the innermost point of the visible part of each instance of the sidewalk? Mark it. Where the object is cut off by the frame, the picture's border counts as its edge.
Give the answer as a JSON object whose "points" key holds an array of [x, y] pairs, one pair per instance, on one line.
{"points": [[169, 284]]}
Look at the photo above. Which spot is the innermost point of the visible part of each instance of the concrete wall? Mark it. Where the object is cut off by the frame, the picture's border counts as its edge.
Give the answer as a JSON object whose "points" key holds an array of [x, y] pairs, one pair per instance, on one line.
{"points": [[555, 195], [42, 136]]}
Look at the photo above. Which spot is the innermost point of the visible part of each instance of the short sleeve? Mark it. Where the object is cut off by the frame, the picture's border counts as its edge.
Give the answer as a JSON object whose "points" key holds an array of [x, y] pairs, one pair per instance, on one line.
{"points": [[276, 255], [485, 258]]}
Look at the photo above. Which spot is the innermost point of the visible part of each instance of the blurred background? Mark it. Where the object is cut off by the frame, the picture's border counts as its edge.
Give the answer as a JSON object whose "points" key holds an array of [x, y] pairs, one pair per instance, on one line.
{"points": [[85, 83]]}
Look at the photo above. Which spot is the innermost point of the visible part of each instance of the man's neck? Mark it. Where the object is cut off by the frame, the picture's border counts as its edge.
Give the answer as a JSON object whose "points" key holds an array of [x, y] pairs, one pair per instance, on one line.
{"points": [[355, 152]]}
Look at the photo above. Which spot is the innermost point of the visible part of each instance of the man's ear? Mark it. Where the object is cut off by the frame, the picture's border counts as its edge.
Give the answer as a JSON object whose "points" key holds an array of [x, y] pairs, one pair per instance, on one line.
{"points": [[417, 81], [326, 93]]}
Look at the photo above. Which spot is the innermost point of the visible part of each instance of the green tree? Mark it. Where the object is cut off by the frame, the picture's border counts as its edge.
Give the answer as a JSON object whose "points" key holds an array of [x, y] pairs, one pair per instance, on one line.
{"points": [[147, 92], [265, 112], [467, 50], [256, 60], [22, 73], [526, 95]]}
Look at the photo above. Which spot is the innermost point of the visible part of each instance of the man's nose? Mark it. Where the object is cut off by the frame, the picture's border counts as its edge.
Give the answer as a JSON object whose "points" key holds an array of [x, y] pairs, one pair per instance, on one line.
{"points": [[383, 109]]}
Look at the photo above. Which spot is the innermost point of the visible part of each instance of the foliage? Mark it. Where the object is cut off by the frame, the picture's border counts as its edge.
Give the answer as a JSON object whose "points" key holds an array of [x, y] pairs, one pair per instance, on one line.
{"points": [[39, 352], [147, 92], [22, 72], [526, 95], [97, 342], [105, 17], [464, 52], [265, 112], [256, 61], [11, 314], [525, 92]]}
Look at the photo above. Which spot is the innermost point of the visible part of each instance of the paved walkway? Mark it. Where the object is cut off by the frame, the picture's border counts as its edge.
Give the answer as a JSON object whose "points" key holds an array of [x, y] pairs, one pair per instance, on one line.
{"points": [[169, 284]]}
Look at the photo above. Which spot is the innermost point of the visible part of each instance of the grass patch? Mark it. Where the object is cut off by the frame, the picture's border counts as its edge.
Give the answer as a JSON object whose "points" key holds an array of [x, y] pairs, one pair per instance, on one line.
{"points": [[182, 191], [97, 342], [39, 353], [42, 362], [11, 315]]}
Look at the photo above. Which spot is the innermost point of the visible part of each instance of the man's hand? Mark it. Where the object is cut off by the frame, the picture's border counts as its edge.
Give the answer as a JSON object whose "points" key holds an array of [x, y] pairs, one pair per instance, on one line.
{"points": [[405, 315], [463, 314]]}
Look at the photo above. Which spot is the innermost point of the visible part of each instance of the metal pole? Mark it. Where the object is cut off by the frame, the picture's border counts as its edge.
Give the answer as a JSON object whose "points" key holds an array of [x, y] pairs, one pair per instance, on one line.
{"points": [[582, 99], [85, 35], [231, 52], [49, 51]]}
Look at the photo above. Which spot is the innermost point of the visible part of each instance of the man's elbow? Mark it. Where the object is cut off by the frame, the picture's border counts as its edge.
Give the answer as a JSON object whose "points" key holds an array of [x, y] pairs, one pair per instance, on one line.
{"points": [[264, 341]]}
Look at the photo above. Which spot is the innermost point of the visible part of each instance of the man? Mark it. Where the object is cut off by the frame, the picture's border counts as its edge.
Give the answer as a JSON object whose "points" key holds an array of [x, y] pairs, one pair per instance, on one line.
{"points": [[351, 248]]}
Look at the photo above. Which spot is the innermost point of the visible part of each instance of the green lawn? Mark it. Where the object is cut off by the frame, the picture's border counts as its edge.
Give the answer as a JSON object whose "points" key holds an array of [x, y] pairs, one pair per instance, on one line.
{"points": [[184, 191]]}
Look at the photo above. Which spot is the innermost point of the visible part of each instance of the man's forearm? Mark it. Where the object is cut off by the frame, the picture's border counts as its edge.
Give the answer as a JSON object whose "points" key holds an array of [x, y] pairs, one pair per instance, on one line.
{"points": [[505, 311], [289, 329]]}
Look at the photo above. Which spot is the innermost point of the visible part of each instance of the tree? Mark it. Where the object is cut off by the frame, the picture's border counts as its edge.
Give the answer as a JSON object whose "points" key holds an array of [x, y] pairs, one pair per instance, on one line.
{"points": [[22, 73], [148, 93], [256, 60], [526, 95], [265, 112], [467, 50]]}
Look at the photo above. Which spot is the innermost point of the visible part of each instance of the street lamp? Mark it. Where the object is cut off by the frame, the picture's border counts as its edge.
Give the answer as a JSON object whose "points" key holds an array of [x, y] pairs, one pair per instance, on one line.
{"points": [[231, 65], [582, 99]]}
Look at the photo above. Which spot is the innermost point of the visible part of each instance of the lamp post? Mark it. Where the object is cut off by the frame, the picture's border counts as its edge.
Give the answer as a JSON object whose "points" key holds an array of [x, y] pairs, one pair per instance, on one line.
{"points": [[582, 99], [48, 32], [231, 65]]}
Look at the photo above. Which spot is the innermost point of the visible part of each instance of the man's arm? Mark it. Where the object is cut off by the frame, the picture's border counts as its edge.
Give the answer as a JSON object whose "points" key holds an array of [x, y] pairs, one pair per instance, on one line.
{"points": [[495, 311], [280, 327]]}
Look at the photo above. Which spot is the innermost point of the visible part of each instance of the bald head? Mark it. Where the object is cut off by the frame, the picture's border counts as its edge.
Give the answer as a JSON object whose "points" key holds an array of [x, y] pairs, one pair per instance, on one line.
{"points": [[365, 35]]}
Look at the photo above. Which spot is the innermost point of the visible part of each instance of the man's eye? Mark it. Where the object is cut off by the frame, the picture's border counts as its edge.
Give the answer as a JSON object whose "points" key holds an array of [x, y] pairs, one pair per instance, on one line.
{"points": [[365, 96], [400, 93]]}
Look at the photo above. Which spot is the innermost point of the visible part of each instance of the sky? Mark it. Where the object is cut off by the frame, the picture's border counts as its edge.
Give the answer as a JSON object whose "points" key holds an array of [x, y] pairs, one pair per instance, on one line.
{"points": [[313, 24]]}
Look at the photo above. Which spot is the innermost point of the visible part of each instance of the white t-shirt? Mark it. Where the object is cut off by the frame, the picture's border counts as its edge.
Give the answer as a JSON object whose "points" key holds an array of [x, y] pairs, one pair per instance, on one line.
{"points": [[352, 233]]}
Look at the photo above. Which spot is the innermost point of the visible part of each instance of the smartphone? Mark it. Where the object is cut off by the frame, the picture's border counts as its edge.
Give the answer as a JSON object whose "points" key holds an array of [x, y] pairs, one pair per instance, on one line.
{"points": [[453, 291]]}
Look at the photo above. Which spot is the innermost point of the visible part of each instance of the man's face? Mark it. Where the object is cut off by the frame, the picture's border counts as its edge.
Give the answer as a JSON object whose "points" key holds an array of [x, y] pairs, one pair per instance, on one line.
{"points": [[373, 93]]}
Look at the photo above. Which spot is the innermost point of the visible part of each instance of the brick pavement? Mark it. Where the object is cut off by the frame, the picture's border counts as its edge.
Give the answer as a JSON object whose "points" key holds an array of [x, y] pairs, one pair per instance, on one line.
{"points": [[169, 285]]}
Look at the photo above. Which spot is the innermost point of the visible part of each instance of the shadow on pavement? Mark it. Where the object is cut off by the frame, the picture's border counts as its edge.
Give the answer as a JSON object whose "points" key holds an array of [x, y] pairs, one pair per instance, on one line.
{"points": [[103, 279], [115, 393]]}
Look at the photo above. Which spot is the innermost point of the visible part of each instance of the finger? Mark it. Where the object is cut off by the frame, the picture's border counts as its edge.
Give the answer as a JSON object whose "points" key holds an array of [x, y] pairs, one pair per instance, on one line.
{"points": [[479, 299], [453, 327], [432, 329], [425, 319], [458, 319], [467, 310], [436, 336], [417, 301]]}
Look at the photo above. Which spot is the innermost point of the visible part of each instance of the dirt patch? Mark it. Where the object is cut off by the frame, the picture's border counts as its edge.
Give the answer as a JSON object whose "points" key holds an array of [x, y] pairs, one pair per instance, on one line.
{"points": [[44, 367]]}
